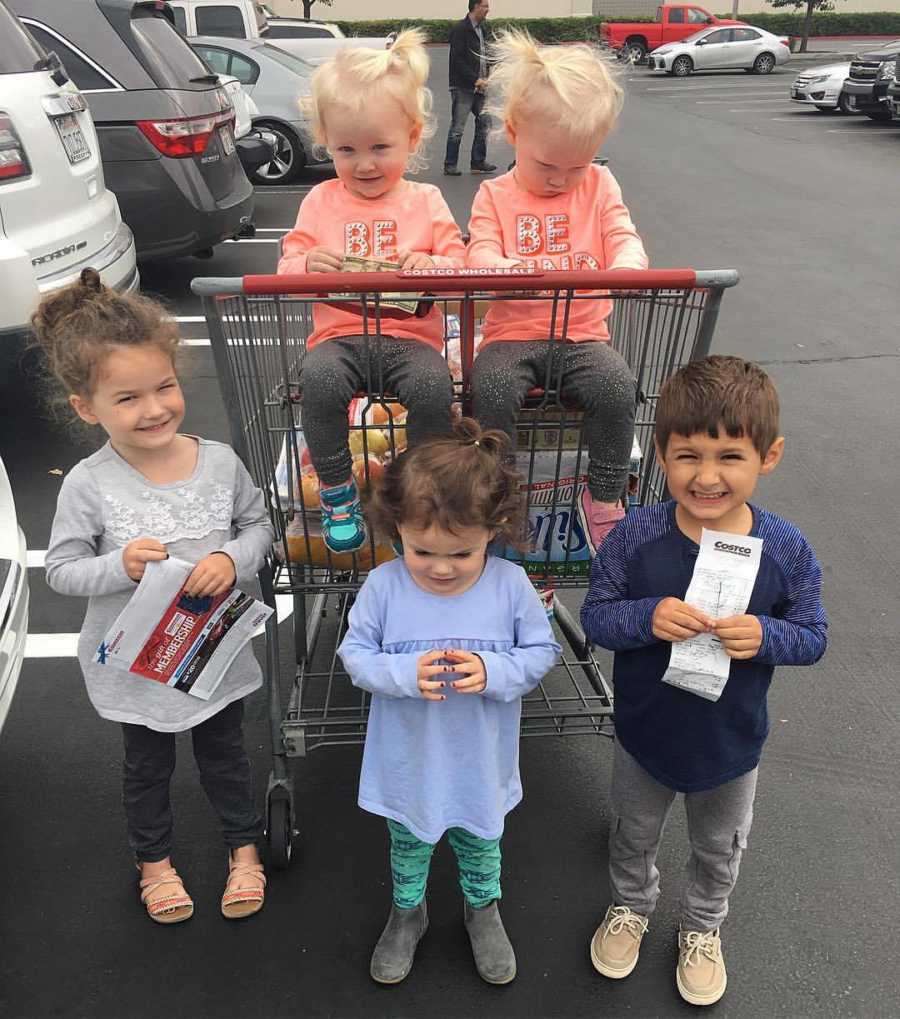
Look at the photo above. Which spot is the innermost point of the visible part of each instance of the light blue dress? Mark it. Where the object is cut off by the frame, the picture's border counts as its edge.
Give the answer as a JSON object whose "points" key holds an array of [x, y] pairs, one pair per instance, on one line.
{"points": [[434, 765]]}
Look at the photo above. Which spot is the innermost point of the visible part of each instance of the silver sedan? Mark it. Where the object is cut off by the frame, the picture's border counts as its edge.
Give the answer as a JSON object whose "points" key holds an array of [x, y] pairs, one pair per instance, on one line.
{"points": [[276, 81], [713, 49]]}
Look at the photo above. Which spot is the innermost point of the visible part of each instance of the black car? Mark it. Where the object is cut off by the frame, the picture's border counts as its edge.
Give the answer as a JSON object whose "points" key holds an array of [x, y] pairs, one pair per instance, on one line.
{"points": [[870, 75], [164, 123]]}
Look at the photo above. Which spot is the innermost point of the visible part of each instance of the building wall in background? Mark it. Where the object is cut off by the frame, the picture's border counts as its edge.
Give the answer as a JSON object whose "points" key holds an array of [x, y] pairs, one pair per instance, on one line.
{"points": [[361, 10], [646, 8]]}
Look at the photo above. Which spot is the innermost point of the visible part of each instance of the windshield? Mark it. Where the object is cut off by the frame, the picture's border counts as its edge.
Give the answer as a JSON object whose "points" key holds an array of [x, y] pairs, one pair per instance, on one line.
{"points": [[697, 35], [288, 60]]}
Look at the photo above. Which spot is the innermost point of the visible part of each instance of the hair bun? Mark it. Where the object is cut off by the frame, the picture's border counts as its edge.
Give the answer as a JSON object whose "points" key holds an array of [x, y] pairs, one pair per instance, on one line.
{"points": [[90, 280]]}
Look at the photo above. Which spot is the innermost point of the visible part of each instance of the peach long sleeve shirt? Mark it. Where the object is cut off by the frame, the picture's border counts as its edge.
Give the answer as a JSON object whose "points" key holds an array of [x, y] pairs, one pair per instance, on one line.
{"points": [[413, 217], [588, 228]]}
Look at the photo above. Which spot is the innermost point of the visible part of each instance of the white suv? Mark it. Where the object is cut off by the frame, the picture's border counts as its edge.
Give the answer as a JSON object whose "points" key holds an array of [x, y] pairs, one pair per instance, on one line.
{"points": [[56, 216]]}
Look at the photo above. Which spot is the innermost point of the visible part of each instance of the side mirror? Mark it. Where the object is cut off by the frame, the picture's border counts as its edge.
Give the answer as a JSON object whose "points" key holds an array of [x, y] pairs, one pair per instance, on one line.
{"points": [[700, 42]]}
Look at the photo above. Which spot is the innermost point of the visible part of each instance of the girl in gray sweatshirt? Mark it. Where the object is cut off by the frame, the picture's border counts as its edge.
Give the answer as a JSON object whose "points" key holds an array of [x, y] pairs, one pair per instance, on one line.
{"points": [[149, 492]]}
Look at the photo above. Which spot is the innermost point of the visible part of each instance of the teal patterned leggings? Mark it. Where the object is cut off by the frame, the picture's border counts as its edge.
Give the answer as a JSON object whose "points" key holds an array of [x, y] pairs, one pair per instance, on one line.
{"points": [[478, 860]]}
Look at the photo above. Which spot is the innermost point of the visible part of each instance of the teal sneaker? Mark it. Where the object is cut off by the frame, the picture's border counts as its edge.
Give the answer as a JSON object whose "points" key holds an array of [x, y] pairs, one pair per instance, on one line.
{"points": [[343, 524]]}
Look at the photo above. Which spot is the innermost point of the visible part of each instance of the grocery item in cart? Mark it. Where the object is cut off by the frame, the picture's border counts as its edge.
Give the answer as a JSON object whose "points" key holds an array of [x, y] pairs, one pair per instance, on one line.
{"points": [[554, 486], [377, 433]]}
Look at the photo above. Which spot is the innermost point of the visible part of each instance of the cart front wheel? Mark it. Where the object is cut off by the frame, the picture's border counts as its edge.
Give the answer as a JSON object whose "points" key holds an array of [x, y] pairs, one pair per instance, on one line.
{"points": [[280, 832]]}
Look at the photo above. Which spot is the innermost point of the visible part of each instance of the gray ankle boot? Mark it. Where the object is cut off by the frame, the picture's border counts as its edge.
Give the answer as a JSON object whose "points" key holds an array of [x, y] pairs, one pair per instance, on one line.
{"points": [[495, 959], [393, 956]]}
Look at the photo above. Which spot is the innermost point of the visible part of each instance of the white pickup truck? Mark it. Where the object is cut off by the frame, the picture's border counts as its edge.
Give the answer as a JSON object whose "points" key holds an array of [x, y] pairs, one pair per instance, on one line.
{"points": [[249, 19]]}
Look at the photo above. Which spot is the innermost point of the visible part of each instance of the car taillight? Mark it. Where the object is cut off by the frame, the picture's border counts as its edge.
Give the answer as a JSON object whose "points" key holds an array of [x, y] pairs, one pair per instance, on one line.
{"points": [[13, 161], [183, 137]]}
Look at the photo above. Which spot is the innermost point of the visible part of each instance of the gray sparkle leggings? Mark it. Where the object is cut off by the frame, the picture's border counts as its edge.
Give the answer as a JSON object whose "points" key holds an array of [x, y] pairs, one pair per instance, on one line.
{"points": [[718, 823], [478, 860], [334, 371], [590, 375]]}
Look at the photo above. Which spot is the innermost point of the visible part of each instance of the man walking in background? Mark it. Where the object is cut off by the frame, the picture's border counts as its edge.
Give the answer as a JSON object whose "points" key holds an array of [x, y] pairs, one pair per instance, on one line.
{"points": [[468, 80]]}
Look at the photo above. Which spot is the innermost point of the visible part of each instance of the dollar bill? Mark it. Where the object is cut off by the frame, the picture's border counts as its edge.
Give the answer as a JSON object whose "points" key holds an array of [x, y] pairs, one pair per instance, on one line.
{"points": [[401, 302]]}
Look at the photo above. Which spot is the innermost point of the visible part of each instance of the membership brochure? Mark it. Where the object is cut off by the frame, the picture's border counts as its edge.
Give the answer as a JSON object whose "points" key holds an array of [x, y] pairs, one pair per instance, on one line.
{"points": [[167, 636]]}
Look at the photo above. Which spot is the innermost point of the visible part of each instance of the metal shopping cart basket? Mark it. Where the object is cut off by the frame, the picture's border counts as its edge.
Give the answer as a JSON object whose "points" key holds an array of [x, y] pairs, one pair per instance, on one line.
{"points": [[659, 320]]}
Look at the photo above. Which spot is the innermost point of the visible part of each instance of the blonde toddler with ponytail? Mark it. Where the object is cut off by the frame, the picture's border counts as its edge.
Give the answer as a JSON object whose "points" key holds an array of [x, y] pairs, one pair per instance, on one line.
{"points": [[371, 111], [557, 210]]}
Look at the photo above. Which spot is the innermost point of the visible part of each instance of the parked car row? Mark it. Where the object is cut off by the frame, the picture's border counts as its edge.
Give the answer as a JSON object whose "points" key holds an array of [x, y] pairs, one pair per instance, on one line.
{"points": [[122, 141], [869, 84]]}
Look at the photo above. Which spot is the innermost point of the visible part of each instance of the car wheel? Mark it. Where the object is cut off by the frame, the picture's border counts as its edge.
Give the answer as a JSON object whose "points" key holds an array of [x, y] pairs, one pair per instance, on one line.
{"points": [[764, 64], [289, 157], [682, 66], [634, 51], [843, 103], [880, 116]]}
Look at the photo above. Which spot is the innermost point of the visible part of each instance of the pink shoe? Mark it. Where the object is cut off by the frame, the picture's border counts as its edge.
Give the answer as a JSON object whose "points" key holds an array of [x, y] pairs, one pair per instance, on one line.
{"points": [[599, 518]]}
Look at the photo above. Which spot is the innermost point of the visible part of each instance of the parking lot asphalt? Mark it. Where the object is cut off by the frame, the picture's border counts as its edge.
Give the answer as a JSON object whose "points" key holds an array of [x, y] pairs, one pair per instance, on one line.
{"points": [[720, 171]]}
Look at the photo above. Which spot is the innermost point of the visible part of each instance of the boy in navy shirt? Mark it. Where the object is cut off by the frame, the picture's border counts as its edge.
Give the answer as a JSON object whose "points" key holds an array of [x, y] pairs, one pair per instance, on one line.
{"points": [[716, 433]]}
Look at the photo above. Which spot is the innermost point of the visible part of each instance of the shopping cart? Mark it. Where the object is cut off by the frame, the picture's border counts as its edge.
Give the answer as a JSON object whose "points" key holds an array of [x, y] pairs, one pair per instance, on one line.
{"points": [[659, 320]]}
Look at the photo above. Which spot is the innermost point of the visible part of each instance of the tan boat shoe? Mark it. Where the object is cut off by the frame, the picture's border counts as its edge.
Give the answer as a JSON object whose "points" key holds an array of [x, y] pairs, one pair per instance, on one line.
{"points": [[700, 975], [617, 942]]}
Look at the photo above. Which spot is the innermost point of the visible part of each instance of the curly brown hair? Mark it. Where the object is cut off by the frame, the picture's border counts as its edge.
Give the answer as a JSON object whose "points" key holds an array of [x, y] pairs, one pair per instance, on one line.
{"points": [[77, 327], [460, 481]]}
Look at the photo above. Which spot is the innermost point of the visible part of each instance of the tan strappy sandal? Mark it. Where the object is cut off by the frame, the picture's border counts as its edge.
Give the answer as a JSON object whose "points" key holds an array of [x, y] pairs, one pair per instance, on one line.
{"points": [[170, 908], [240, 902]]}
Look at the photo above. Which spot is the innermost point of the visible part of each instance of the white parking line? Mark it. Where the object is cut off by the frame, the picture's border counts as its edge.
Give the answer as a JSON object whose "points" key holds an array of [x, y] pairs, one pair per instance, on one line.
{"points": [[863, 132], [36, 558], [189, 318], [254, 240], [195, 342]]}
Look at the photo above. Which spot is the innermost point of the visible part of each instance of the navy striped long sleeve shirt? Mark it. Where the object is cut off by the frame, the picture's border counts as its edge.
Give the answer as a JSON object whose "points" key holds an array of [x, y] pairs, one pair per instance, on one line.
{"points": [[685, 742]]}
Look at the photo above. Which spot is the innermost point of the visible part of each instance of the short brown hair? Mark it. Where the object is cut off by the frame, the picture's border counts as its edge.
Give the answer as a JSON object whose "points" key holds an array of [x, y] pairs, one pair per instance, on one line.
{"points": [[719, 392], [456, 482], [79, 325]]}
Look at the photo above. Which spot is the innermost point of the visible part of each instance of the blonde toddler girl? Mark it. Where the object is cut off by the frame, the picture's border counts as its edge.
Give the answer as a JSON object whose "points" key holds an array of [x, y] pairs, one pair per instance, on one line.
{"points": [[557, 210]]}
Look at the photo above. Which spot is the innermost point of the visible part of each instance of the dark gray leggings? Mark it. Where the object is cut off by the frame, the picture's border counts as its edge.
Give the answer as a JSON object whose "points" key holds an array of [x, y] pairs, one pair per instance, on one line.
{"points": [[334, 371], [591, 376], [225, 775]]}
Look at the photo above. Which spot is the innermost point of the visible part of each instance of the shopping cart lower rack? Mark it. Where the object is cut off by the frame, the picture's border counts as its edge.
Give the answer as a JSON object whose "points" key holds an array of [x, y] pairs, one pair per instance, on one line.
{"points": [[259, 326]]}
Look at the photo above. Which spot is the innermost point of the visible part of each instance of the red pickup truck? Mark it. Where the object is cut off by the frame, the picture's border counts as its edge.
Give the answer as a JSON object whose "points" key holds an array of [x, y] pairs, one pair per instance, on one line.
{"points": [[674, 22]]}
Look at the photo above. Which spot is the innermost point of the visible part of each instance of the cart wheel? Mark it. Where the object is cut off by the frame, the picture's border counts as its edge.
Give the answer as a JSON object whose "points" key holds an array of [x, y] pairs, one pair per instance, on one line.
{"points": [[280, 832]]}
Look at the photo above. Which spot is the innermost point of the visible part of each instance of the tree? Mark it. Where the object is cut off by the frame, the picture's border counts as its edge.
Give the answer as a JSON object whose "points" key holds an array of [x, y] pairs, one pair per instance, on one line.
{"points": [[811, 6], [308, 4]]}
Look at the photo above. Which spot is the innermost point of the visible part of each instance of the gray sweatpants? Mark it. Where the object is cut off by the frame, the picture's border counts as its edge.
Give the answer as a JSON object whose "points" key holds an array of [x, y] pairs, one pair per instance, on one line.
{"points": [[718, 823], [334, 371], [593, 376]]}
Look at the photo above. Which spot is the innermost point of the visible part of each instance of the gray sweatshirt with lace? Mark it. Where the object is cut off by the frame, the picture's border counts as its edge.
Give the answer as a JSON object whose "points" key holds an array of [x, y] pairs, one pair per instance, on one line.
{"points": [[104, 503]]}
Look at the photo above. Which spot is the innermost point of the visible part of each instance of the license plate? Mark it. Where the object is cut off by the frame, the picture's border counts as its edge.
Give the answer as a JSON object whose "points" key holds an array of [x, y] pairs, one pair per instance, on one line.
{"points": [[851, 102], [226, 140], [77, 149], [795, 93]]}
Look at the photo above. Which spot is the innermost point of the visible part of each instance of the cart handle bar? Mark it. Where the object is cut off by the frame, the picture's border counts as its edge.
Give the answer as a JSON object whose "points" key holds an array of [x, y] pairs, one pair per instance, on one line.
{"points": [[454, 281]]}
